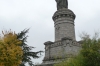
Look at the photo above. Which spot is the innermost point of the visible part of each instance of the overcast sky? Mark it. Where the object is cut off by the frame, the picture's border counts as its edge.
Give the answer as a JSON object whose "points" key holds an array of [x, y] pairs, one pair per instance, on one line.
{"points": [[37, 15]]}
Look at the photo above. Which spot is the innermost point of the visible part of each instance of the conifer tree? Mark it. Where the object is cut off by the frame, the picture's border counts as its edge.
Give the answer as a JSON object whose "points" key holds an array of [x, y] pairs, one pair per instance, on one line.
{"points": [[27, 53]]}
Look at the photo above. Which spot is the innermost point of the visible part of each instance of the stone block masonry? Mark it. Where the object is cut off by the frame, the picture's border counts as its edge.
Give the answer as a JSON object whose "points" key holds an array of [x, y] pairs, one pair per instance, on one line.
{"points": [[65, 48], [64, 24], [65, 44]]}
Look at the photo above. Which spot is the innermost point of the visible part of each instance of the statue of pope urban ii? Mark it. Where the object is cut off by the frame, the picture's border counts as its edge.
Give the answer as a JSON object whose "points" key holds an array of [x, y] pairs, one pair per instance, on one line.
{"points": [[62, 4]]}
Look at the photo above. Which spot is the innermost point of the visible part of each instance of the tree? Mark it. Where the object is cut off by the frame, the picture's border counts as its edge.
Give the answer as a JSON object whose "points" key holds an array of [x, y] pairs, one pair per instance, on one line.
{"points": [[27, 53], [10, 50], [88, 56], [91, 52]]}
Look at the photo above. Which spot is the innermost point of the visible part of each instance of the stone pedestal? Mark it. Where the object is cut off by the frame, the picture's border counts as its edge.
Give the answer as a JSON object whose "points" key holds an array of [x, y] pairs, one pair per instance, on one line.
{"points": [[64, 24], [65, 44], [57, 51], [62, 49]]}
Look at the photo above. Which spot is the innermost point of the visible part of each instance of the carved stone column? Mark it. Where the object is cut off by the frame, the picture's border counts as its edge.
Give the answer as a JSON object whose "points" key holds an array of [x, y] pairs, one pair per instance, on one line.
{"points": [[64, 24]]}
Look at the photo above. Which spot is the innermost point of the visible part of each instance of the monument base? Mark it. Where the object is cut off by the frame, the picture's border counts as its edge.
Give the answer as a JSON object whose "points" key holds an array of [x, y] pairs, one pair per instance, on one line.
{"points": [[60, 50]]}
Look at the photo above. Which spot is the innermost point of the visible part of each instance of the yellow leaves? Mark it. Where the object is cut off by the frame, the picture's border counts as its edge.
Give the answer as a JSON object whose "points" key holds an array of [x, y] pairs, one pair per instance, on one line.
{"points": [[10, 49]]}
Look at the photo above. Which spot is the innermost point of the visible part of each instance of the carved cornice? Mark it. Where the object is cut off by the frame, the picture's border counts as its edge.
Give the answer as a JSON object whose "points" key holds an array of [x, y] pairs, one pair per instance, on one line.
{"points": [[63, 13], [48, 43], [64, 42]]}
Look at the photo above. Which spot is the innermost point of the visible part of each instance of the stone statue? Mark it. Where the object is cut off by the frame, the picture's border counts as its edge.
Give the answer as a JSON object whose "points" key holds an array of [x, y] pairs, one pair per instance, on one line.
{"points": [[62, 4]]}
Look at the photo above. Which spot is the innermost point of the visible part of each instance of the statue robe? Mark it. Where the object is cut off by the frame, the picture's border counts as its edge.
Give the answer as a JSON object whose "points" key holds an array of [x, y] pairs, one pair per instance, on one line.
{"points": [[62, 4]]}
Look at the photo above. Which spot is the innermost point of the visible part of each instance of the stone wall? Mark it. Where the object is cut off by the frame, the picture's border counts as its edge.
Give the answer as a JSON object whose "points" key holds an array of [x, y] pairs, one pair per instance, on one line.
{"points": [[64, 48]]}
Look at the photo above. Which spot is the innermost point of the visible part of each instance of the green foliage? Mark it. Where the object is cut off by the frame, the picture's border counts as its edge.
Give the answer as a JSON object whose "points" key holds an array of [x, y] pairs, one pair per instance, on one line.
{"points": [[75, 61], [10, 50], [88, 56], [63, 63], [91, 52], [27, 50]]}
